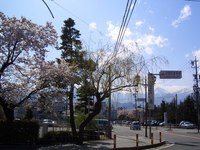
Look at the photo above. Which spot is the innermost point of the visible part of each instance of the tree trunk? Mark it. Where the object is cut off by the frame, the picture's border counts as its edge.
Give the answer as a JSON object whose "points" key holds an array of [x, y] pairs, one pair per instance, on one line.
{"points": [[9, 113], [8, 110], [97, 109], [71, 109]]}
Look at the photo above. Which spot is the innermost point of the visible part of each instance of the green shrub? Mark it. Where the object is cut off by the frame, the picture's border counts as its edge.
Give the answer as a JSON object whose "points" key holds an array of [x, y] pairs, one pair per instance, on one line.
{"points": [[19, 132]]}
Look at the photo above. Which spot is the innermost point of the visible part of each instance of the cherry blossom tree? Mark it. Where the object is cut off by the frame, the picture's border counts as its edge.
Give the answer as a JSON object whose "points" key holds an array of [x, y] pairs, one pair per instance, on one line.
{"points": [[23, 47], [55, 79]]}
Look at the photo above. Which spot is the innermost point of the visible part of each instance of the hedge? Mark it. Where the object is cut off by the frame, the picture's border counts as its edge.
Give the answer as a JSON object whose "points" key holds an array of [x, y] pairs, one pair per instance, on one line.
{"points": [[19, 132]]}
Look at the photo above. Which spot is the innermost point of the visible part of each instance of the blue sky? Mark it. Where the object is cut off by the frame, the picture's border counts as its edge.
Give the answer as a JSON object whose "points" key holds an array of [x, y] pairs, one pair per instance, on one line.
{"points": [[166, 28]]}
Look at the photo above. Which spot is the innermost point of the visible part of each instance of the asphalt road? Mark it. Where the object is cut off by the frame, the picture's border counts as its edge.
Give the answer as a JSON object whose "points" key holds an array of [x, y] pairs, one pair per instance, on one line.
{"points": [[177, 139], [183, 139]]}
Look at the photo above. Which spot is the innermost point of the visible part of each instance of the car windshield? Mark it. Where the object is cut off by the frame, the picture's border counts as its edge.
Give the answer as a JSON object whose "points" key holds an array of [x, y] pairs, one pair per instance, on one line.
{"points": [[136, 123]]}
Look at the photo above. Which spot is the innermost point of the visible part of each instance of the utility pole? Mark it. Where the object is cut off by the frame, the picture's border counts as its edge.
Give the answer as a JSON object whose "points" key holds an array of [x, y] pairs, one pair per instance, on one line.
{"points": [[109, 106], [176, 109], [146, 108], [196, 89]]}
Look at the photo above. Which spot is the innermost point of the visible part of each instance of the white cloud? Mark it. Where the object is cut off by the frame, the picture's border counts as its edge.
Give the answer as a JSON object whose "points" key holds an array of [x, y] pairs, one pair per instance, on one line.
{"points": [[113, 31], [151, 29], [184, 14], [139, 23], [93, 26], [146, 42]]}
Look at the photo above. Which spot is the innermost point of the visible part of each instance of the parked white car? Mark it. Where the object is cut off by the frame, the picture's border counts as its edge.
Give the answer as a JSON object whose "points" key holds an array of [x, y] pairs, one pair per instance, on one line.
{"points": [[48, 121], [186, 125], [135, 125]]}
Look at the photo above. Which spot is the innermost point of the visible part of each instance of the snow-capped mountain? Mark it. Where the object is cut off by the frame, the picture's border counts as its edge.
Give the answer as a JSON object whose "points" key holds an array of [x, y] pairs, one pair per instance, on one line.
{"points": [[161, 94], [127, 99]]}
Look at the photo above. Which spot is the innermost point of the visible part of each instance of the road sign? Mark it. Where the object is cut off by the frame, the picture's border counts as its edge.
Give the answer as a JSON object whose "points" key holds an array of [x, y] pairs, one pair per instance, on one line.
{"points": [[170, 74]]}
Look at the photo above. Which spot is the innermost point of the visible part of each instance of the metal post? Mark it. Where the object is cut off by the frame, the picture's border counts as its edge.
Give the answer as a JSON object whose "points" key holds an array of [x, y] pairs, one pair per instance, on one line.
{"points": [[151, 138], [114, 146], [149, 123], [137, 141], [197, 92], [109, 106], [136, 114], [146, 108], [176, 109], [160, 137]]}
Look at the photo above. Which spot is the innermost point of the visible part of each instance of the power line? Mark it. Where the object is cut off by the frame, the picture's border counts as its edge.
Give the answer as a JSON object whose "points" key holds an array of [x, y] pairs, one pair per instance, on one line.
{"points": [[125, 21], [128, 20], [130, 6], [69, 12], [121, 27], [48, 8], [83, 21]]}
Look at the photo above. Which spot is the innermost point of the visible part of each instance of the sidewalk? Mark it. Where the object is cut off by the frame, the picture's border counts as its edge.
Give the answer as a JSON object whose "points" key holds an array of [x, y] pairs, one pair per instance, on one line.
{"points": [[125, 142], [122, 143]]}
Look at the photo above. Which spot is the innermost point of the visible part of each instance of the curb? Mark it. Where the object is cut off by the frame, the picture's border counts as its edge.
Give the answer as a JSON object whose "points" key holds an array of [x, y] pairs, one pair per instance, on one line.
{"points": [[141, 147]]}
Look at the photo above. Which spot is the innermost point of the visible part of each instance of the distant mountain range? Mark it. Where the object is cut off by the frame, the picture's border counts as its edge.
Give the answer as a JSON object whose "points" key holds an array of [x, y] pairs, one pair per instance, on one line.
{"points": [[160, 94]]}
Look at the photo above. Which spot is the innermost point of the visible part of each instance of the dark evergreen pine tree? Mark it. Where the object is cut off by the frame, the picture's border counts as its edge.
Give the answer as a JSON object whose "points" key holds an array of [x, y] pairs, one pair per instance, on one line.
{"points": [[73, 54], [71, 47]]}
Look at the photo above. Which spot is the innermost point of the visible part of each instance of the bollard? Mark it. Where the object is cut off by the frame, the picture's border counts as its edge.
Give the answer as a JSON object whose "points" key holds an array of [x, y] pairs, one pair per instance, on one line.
{"points": [[160, 135], [114, 146], [151, 138], [137, 141]]}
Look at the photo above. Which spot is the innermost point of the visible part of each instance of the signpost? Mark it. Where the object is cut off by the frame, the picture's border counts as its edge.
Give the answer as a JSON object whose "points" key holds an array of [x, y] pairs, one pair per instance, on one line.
{"points": [[170, 74], [164, 74], [151, 82]]}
